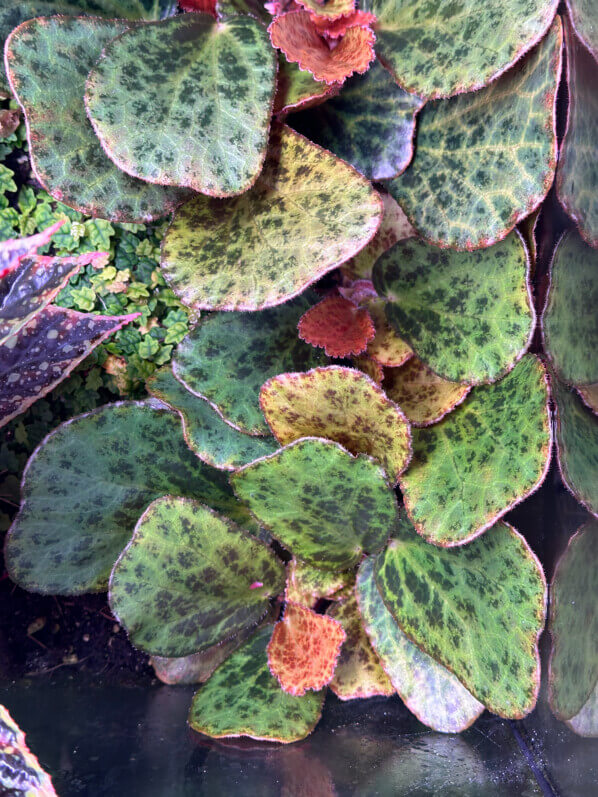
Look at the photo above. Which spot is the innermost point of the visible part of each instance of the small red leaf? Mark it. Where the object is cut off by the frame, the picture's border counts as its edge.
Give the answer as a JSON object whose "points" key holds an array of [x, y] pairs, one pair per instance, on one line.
{"points": [[294, 33], [304, 649], [201, 6], [338, 326], [338, 27]]}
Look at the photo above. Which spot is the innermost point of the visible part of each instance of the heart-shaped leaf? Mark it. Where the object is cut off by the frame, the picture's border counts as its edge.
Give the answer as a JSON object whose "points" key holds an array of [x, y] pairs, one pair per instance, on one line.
{"points": [[190, 578], [482, 459], [467, 315], [429, 690], [393, 227], [307, 214], [86, 486], [574, 624], [387, 348], [228, 357], [340, 404], [66, 156], [569, 322], [583, 17], [577, 446], [303, 650], [44, 352], [358, 672], [186, 102], [370, 124], [307, 584], [213, 440], [577, 174], [502, 137], [29, 287], [424, 397], [242, 698], [457, 606], [298, 38], [296, 89], [325, 505], [338, 326], [437, 51]]}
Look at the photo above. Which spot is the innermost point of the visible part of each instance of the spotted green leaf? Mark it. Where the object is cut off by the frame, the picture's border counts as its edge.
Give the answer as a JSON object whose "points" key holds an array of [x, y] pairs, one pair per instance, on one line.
{"points": [[577, 445], [190, 578], [228, 357], [186, 102], [296, 88], [340, 404], [307, 584], [370, 124], [570, 322], [44, 352], [457, 606], [484, 160], [429, 690], [486, 456], [326, 506], [66, 156], [441, 48], [307, 213], [242, 698], [213, 440], [577, 174], [358, 672], [467, 315], [583, 17], [32, 284], [574, 624], [86, 486]]}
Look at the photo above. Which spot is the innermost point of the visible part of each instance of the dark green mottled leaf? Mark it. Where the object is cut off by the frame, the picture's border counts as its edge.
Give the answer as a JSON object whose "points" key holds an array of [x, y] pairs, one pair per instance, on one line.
{"points": [[458, 607], [86, 486], [441, 48], [228, 357], [44, 352], [214, 441], [370, 124], [570, 320], [190, 578], [32, 284], [429, 690], [66, 156], [577, 174], [467, 315], [242, 698], [307, 213], [186, 102], [487, 455], [577, 445], [486, 159], [574, 624], [319, 501], [583, 16]]}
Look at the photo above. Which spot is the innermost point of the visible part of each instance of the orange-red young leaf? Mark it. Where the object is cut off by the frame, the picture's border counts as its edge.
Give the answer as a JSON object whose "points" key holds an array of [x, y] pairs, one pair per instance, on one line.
{"points": [[296, 36], [338, 326], [336, 28], [304, 649]]}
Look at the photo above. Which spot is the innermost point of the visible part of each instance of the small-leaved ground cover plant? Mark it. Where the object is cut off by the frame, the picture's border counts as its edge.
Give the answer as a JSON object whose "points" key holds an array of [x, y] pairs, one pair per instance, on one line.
{"points": [[314, 237]]}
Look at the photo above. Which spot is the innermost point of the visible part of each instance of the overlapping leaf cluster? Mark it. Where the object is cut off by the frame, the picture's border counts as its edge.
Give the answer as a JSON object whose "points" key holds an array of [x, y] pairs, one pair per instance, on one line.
{"points": [[251, 442]]}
